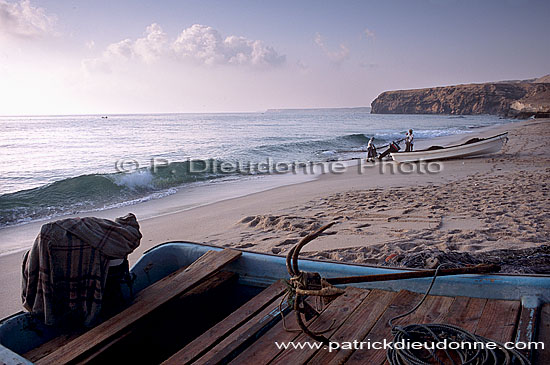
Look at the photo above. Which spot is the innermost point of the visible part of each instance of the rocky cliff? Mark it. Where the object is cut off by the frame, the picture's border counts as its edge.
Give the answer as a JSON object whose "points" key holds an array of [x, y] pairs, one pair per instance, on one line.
{"points": [[510, 99]]}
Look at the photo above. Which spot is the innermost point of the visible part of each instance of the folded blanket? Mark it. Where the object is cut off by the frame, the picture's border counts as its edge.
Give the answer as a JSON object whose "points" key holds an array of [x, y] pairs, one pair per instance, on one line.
{"points": [[65, 272]]}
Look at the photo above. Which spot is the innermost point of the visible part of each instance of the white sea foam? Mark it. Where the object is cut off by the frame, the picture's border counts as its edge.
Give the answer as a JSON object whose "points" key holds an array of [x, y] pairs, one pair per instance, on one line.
{"points": [[135, 180], [156, 195]]}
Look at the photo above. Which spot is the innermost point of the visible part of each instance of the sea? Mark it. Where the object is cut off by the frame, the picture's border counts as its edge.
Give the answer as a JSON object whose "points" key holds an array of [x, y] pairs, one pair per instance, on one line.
{"points": [[56, 165]]}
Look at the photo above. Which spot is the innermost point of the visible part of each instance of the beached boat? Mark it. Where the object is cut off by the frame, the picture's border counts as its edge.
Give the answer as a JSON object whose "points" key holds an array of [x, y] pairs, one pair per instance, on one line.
{"points": [[195, 303], [471, 148]]}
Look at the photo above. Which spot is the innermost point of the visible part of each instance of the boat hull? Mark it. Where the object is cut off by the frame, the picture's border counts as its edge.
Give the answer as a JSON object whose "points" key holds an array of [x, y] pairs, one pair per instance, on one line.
{"points": [[260, 269], [483, 147], [19, 333]]}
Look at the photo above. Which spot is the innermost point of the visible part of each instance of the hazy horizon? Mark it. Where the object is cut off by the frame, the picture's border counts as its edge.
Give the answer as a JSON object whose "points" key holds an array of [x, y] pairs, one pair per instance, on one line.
{"points": [[140, 57], [168, 113]]}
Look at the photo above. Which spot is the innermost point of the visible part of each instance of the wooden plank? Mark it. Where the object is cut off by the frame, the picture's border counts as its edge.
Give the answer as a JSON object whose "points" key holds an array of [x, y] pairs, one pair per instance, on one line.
{"points": [[50, 346], [214, 335], [356, 327], [90, 356], [543, 356], [432, 310], [333, 317], [185, 280], [241, 338], [211, 283], [157, 286], [498, 320], [402, 302], [264, 350], [526, 329], [465, 312], [187, 298]]}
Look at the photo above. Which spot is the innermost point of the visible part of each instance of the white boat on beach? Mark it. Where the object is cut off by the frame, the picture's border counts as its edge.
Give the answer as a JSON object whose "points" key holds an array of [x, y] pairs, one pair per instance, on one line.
{"points": [[471, 148]]}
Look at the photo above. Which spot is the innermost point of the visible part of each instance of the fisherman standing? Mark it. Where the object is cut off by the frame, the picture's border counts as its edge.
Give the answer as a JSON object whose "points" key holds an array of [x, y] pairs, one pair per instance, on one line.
{"points": [[409, 141], [371, 150]]}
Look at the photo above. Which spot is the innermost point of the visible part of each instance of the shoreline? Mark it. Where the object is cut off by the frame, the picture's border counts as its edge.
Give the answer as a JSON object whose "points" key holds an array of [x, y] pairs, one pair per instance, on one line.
{"points": [[185, 199], [270, 220], [19, 237]]}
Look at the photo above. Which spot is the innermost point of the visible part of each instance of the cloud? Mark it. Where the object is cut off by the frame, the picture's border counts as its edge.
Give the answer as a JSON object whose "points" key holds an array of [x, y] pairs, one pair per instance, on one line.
{"points": [[148, 49], [114, 53], [151, 47], [336, 57], [369, 33], [198, 44], [22, 20], [205, 45]]}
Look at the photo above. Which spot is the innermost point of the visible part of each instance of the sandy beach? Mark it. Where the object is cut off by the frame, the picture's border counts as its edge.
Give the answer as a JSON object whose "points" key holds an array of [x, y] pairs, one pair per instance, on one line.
{"points": [[487, 209]]}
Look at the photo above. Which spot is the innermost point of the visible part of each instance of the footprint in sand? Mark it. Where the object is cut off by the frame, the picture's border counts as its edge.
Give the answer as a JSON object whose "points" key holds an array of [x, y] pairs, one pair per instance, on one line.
{"points": [[288, 241], [364, 225], [246, 245], [247, 219]]}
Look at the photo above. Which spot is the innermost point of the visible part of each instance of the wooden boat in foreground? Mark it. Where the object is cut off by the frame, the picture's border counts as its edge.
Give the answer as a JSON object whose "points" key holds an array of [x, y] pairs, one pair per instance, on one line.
{"points": [[471, 148], [195, 303]]}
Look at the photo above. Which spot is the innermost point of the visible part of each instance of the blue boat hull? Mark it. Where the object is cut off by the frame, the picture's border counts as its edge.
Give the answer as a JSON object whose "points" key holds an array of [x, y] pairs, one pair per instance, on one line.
{"points": [[261, 270]]}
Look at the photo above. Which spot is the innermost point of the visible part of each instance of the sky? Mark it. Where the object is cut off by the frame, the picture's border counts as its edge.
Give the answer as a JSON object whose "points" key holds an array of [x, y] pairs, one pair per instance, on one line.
{"points": [[130, 56]]}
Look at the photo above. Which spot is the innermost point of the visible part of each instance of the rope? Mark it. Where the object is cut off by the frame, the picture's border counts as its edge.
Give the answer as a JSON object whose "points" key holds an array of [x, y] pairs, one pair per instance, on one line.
{"points": [[473, 348]]}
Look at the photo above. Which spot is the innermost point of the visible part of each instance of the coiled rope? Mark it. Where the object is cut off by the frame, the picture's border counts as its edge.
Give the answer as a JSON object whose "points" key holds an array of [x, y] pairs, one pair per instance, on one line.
{"points": [[473, 349]]}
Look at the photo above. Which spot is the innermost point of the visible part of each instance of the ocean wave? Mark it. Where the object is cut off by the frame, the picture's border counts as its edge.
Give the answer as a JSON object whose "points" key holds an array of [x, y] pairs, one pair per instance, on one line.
{"points": [[70, 195], [393, 135], [308, 149], [135, 181], [101, 191], [356, 138]]}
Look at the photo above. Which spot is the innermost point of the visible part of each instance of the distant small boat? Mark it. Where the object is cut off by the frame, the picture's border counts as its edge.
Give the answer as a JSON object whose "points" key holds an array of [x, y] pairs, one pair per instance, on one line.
{"points": [[471, 148]]}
